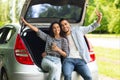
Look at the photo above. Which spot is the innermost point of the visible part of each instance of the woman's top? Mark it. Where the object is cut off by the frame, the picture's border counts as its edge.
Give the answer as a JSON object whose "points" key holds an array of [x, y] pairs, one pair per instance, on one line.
{"points": [[62, 43]]}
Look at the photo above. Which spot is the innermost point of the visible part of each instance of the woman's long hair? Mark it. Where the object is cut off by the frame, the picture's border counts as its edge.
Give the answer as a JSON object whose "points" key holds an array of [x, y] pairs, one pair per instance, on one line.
{"points": [[51, 33]]}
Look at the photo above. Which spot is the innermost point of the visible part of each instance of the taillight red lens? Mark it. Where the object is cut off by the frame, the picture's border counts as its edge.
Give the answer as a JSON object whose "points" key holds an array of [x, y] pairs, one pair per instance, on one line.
{"points": [[92, 57], [21, 52], [92, 54]]}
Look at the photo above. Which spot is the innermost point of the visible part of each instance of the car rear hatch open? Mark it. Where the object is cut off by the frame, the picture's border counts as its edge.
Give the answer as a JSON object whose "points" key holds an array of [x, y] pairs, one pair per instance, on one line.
{"points": [[47, 11], [41, 13]]}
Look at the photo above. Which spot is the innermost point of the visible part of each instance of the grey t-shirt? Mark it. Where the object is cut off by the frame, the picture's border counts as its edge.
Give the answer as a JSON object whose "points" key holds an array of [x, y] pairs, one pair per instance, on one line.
{"points": [[61, 43]]}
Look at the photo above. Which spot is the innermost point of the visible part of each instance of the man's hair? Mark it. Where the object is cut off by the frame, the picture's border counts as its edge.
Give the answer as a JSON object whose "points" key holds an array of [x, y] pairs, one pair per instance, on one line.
{"points": [[62, 20]]}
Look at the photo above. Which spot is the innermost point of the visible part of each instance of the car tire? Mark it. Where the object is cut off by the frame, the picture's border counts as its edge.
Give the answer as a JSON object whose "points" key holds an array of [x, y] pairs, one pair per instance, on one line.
{"points": [[4, 75]]}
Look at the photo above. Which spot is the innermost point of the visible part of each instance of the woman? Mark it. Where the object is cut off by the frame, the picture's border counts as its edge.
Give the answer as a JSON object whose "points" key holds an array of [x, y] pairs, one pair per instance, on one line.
{"points": [[56, 46]]}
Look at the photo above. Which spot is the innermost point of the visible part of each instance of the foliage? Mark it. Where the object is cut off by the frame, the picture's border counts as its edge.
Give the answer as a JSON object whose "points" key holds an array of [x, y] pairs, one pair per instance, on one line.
{"points": [[110, 9], [111, 15], [10, 11]]}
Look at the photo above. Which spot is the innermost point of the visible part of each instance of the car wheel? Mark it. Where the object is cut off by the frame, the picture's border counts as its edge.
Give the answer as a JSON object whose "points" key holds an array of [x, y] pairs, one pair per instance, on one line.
{"points": [[4, 76]]}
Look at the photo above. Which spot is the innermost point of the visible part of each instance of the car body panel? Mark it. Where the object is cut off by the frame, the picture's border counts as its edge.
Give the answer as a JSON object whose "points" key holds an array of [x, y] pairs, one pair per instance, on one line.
{"points": [[18, 71]]}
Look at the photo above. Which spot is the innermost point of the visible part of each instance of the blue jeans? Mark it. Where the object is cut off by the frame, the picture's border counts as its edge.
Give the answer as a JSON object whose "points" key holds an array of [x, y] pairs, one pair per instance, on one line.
{"points": [[79, 65], [53, 66]]}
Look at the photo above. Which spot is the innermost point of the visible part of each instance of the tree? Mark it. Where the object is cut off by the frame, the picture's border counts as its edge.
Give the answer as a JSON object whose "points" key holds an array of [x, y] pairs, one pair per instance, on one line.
{"points": [[111, 15], [10, 11]]}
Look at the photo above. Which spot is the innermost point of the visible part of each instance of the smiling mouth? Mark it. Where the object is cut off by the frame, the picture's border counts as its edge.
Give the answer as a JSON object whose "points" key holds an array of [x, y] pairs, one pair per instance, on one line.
{"points": [[66, 31]]}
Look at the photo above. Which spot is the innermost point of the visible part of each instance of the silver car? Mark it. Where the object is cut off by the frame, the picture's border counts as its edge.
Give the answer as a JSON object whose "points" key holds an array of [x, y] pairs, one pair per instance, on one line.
{"points": [[20, 48]]}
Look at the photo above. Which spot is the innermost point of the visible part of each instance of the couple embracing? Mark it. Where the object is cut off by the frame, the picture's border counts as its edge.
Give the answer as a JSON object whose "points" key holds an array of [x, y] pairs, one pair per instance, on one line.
{"points": [[68, 43]]}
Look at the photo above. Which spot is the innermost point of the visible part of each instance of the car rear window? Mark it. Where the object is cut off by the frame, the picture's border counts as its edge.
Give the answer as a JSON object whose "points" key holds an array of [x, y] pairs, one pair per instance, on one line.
{"points": [[48, 11]]}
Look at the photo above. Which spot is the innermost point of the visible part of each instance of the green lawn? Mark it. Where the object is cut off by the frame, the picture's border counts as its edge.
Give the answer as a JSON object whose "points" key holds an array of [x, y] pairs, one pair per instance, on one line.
{"points": [[108, 61]]}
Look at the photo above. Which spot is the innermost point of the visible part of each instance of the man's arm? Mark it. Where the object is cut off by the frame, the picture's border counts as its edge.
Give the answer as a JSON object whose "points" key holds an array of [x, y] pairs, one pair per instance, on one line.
{"points": [[93, 26]]}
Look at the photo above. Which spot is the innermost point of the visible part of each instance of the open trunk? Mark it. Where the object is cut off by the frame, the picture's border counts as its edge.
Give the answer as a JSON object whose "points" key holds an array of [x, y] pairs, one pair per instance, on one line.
{"points": [[44, 12], [35, 45]]}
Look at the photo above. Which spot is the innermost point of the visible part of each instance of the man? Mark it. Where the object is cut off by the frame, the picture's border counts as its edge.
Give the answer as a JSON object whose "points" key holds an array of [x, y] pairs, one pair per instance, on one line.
{"points": [[78, 55]]}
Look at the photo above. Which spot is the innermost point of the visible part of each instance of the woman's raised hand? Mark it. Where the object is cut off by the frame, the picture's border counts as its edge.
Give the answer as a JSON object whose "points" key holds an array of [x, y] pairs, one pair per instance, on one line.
{"points": [[29, 25]]}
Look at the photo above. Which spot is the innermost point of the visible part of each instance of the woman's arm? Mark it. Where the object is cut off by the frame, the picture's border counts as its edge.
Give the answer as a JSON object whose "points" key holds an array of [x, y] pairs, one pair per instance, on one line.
{"points": [[40, 33], [63, 53], [29, 25], [59, 50], [64, 50]]}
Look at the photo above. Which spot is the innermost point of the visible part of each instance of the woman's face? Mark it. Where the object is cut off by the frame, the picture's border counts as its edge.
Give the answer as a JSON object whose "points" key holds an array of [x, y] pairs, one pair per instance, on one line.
{"points": [[56, 29]]}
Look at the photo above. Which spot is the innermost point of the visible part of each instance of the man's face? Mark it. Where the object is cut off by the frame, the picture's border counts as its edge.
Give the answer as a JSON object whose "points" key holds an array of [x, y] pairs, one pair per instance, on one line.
{"points": [[65, 26]]}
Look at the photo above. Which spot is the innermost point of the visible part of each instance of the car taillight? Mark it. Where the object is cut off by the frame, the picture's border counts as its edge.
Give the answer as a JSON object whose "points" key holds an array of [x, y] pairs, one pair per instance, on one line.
{"points": [[21, 52], [92, 56], [90, 49]]}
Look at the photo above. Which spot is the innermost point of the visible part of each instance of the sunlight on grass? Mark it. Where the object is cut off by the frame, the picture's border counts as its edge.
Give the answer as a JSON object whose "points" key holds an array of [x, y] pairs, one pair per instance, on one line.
{"points": [[108, 61], [109, 69]]}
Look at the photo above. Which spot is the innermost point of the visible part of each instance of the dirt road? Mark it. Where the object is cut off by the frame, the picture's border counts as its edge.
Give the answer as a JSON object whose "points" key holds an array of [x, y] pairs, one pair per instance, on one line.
{"points": [[106, 42]]}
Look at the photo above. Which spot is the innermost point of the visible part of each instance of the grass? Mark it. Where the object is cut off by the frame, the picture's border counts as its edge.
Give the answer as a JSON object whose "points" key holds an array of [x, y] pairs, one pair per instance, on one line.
{"points": [[108, 61]]}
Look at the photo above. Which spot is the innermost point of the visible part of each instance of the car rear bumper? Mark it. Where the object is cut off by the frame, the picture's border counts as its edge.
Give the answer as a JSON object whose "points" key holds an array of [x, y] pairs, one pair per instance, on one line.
{"points": [[36, 73], [40, 76], [43, 76], [94, 70], [29, 76]]}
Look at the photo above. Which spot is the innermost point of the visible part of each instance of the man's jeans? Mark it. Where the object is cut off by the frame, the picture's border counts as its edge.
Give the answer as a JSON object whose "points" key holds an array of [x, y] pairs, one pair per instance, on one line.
{"points": [[79, 65], [53, 66]]}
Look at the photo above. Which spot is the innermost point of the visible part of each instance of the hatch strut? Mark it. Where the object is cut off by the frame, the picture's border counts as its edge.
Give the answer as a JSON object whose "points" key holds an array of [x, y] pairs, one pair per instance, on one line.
{"points": [[22, 28]]}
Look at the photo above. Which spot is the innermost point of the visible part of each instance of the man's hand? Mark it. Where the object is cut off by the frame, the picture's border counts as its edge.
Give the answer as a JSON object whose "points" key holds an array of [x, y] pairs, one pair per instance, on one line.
{"points": [[99, 15], [44, 54]]}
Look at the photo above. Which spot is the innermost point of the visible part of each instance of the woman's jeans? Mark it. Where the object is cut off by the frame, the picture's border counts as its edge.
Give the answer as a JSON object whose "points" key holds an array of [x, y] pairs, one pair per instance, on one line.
{"points": [[53, 66], [79, 65]]}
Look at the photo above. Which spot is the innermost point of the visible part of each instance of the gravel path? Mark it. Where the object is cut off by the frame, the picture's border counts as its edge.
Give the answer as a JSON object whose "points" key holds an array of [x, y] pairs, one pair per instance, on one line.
{"points": [[106, 42]]}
